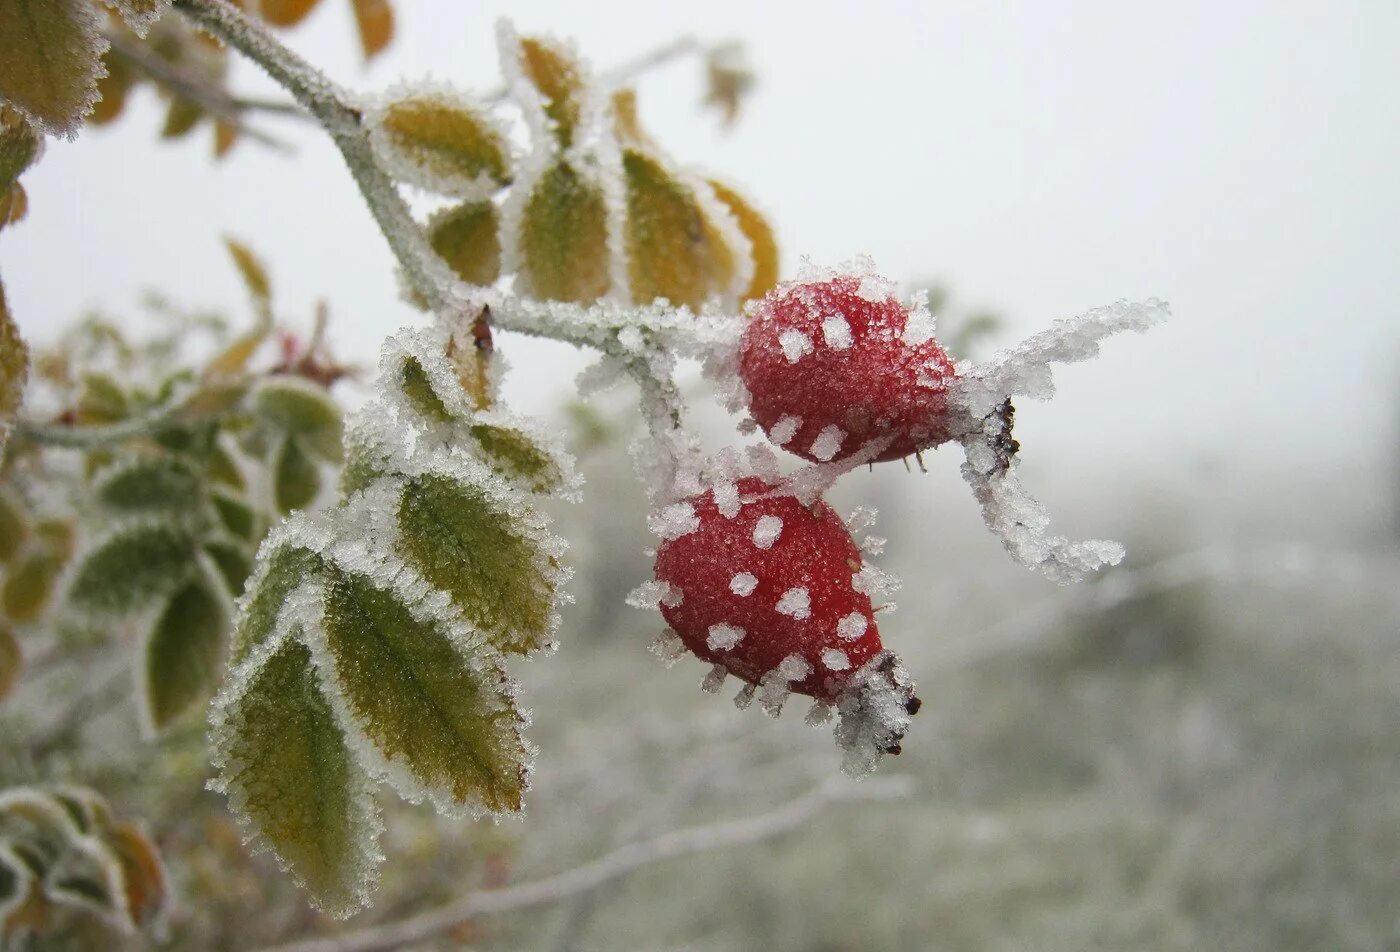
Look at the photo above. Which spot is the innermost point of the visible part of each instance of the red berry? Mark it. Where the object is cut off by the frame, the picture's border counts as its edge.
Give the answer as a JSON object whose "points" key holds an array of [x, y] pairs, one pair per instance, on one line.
{"points": [[832, 365], [775, 593]]}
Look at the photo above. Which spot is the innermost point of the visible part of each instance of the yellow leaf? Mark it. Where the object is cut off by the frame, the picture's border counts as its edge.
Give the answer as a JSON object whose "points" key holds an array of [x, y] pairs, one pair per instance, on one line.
{"points": [[252, 270], [143, 873], [111, 90], [286, 12], [14, 367], [14, 205], [673, 250], [225, 135], [19, 145], [139, 14], [556, 73], [182, 116], [375, 21], [442, 144], [466, 237], [759, 233], [564, 238], [51, 59]]}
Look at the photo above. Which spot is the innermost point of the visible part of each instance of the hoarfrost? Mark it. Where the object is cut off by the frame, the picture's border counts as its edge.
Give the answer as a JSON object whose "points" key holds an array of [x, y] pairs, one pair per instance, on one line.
{"points": [[852, 626], [795, 344], [674, 521], [784, 430], [828, 442], [667, 646], [834, 659], [743, 584], [714, 680], [837, 333], [795, 603], [874, 713], [724, 637], [766, 531]]}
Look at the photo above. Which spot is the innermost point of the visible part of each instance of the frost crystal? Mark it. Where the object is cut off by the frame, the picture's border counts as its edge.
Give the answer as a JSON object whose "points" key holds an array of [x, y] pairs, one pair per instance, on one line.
{"points": [[837, 332], [784, 430], [667, 646], [714, 680], [775, 686], [743, 584], [673, 521], [795, 344], [727, 499], [723, 637], [795, 603], [766, 531], [834, 659], [828, 442], [874, 713], [918, 327], [851, 627]]}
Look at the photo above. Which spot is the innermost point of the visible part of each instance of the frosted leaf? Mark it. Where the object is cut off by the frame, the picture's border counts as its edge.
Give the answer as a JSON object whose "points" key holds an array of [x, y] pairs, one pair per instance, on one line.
{"points": [[51, 61], [714, 680], [837, 333], [766, 531], [795, 345], [828, 442], [437, 138], [674, 521], [784, 430], [852, 626], [668, 647], [743, 584], [723, 637], [795, 603], [834, 659]]}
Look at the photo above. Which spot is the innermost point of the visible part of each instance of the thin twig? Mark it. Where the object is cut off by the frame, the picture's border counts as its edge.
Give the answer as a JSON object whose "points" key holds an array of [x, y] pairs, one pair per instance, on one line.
{"points": [[610, 868], [187, 85], [337, 112]]}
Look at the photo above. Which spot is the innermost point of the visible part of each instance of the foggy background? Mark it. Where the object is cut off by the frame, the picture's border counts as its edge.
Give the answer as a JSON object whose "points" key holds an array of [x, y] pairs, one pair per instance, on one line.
{"points": [[1210, 762]]}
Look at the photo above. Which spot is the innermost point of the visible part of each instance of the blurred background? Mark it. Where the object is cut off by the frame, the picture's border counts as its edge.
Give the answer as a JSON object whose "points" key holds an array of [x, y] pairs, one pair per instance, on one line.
{"points": [[1200, 749]]}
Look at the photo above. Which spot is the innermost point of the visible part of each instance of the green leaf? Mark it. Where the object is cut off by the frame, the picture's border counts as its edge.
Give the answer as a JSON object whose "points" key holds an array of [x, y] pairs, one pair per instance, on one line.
{"points": [[362, 466], [417, 386], [233, 562], [11, 660], [254, 274], [299, 407], [287, 768], [29, 586], [132, 568], [183, 654], [514, 455], [564, 238], [465, 544], [13, 527], [466, 237], [441, 143], [50, 60], [14, 368], [283, 569], [151, 484], [101, 400], [296, 477], [235, 513], [224, 469], [447, 718]]}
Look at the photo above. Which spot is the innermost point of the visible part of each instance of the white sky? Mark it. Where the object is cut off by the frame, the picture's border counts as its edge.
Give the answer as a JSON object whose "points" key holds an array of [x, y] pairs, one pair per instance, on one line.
{"points": [[1237, 159]]}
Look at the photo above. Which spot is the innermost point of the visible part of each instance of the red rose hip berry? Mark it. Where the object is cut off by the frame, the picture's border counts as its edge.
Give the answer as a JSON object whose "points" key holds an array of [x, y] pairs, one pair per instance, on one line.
{"points": [[776, 593], [832, 365]]}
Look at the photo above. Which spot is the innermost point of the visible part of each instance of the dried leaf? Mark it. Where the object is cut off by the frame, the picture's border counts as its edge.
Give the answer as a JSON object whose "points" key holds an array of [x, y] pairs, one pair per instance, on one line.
{"points": [[226, 135], [466, 544], [143, 874], [760, 235], [446, 717], [441, 142], [14, 205], [183, 654], [285, 13], [50, 60], [375, 21], [564, 239], [287, 768], [20, 145], [467, 237]]}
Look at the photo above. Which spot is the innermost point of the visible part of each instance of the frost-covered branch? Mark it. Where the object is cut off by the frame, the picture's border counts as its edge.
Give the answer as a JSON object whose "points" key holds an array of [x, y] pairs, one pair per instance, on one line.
{"points": [[621, 862], [337, 112], [92, 436]]}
